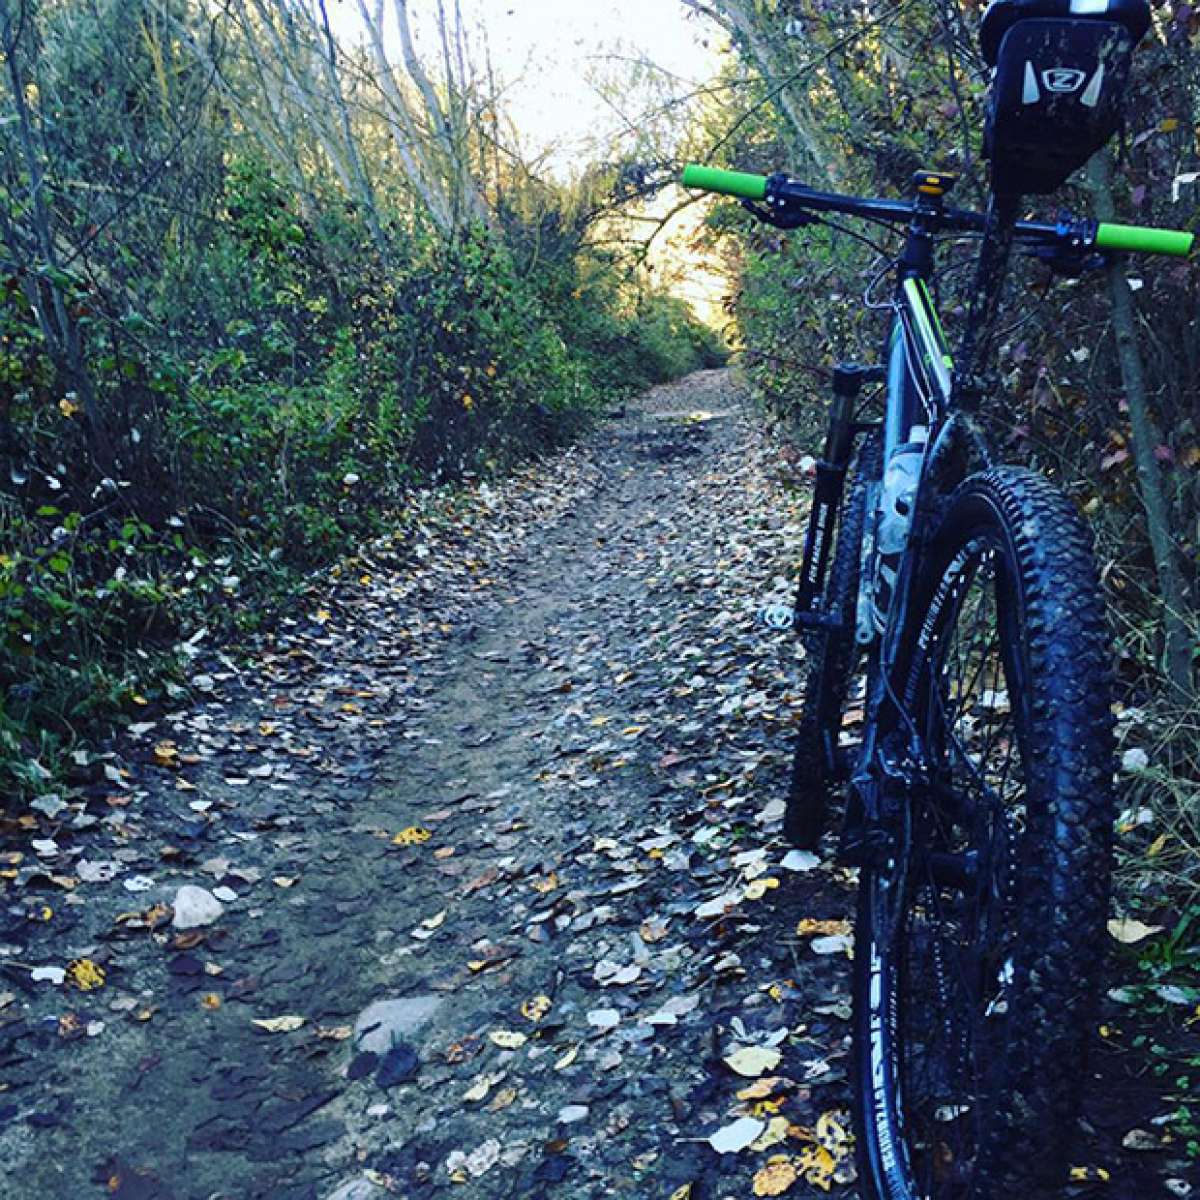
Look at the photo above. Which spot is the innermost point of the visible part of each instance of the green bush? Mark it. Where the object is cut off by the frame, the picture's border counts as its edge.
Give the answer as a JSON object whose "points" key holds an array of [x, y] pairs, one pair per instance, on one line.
{"points": [[280, 391]]}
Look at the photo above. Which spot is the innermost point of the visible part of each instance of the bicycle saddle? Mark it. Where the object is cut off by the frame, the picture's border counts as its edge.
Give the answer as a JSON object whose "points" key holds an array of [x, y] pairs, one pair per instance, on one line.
{"points": [[1002, 15]]}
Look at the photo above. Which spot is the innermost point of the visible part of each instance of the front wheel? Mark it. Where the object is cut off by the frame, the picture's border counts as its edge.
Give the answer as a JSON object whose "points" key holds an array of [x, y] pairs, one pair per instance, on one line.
{"points": [[978, 945]]}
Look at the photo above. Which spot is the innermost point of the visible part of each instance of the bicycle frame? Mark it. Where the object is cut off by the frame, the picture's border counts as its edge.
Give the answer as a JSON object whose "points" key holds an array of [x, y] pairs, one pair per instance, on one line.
{"points": [[923, 381]]}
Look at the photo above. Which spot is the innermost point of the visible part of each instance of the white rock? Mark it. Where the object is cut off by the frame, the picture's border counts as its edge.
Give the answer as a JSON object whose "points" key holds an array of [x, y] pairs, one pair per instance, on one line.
{"points": [[49, 806], [1135, 759], [195, 907], [358, 1189], [730, 1139], [570, 1113], [603, 1018], [385, 1022], [96, 872], [800, 860]]}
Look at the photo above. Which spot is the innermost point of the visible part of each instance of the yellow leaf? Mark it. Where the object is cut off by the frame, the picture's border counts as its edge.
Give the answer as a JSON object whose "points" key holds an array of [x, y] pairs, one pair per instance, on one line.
{"points": [[776, 1177], [548, 884], [279, 1024], [285, 881], [1156, 847], [775, 1132], [479, 1089], [1168, 125], [414, 835], [833, 1134], [67, 408], [810, 927], [681, 1193], [85, 974], [752, 1061], [507, 1039], [817, 1166], [758, 888], [211, 1000], [335, 1033], [567, 1059], [166, 754], [1089, 1175], [536, 1008], [1190, 457], [760, 1089]]}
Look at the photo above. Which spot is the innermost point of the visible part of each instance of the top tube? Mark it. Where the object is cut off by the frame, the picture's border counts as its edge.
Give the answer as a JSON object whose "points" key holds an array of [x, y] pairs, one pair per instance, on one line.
{"points": [[788, 193]]}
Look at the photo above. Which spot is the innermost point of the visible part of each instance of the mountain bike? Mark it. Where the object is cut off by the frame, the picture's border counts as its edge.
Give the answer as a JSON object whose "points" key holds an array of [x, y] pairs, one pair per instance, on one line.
{"points": [[978, 803]]}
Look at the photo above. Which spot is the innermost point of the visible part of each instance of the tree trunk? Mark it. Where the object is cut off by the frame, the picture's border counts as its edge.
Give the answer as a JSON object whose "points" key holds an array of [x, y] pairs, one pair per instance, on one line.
{"points": [[1160, 519]]}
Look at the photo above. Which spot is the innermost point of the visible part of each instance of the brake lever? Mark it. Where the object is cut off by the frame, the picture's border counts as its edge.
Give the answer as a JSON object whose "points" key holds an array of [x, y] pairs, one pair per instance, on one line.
{"points": [[791, 220], [1070, 262]]}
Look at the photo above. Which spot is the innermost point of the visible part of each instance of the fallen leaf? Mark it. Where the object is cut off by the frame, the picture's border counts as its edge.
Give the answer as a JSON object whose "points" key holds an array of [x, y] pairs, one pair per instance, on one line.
{"points": [[1089, 1175], [776, 1177], [775, 1132], [507, 1039], [1128, 930], [752, 1061], [166, 754], [810, 927], [734, 1138], [567, 1059], [414, 835], [536, 1008], [85, 974], [1141, 1139], [283, 1024], [816, 1166], [480, 1088], [760, 1089], [758, 888]]}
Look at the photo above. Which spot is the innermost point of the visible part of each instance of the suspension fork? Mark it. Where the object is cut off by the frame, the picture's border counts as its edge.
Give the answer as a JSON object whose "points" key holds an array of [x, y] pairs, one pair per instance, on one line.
{"points": [[848, 382]]}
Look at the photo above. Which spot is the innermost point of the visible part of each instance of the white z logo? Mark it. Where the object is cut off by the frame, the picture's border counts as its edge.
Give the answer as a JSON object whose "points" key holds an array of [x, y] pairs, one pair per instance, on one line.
{"points": [[1062, 79]]}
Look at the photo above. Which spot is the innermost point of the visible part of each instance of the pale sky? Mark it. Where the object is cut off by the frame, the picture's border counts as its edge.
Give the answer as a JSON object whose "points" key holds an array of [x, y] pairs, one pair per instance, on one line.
{"points": [[546, 47]]}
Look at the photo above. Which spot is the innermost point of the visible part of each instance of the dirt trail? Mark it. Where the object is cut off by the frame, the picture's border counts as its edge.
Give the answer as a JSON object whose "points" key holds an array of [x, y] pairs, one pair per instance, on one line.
{"points": [[493, 830], [568, 704]]}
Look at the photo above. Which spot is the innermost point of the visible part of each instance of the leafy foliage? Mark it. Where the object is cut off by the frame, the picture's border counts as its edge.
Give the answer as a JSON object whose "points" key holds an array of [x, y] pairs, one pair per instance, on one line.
{"points": [[222, 365]]}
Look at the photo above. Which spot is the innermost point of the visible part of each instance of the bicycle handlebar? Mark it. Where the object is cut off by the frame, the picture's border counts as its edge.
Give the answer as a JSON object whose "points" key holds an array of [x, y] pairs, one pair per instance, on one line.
{"points": [[1144, 240], [1138, 238], [727, 183]]}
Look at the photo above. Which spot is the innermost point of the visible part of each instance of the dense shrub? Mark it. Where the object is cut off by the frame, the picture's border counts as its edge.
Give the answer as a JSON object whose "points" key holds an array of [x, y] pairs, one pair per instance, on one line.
{"points": [[271, 401]]}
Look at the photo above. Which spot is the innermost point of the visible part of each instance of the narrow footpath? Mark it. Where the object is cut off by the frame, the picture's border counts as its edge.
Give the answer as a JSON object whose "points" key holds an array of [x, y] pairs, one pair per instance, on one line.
{"points": [[466, 882]]}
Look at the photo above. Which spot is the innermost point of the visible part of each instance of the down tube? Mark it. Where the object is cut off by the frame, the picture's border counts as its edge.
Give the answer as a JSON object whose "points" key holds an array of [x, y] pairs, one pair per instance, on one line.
{"points": [[927, 345]]}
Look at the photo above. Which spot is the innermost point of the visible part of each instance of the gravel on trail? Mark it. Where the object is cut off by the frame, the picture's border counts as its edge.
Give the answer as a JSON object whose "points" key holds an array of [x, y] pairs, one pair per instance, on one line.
{"points": [[468, 879]]}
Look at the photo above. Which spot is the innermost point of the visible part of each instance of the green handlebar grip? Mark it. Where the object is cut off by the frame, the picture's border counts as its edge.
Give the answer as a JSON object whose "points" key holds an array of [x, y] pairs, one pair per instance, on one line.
{"points": [[728, 183], [1146, 241]]}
